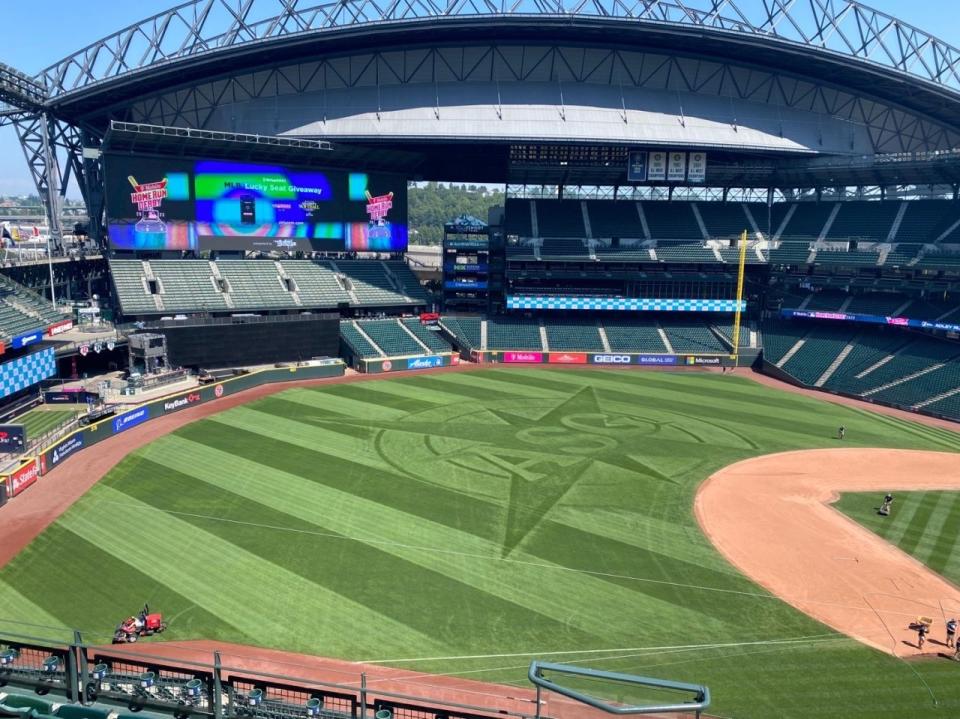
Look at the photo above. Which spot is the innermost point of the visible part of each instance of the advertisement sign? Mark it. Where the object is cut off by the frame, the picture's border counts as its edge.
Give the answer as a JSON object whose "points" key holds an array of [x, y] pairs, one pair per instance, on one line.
{"points": [[657, 166], [26, 371], [620, 304], [207, 204], [425, 362], [697, 169], [130, 419], [637, 167], [611, 359], [657, 359], [704, 361], [465, 284], [872, 319], [523, 357], [63, 450], [26, 339], [677, 167], [567, 358], [180, 402], [60, 328], [12, 437], [68, 397], [23, 477]]}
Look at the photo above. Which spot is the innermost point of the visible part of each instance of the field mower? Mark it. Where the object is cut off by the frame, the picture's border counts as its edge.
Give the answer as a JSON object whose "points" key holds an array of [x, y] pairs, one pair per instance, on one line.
{"points": [[143, 624]]}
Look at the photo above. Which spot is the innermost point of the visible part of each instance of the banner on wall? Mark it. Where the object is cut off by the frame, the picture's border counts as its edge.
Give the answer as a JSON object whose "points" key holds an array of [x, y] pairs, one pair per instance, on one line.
{"points": [[657, 166], [697, 167], [677, 167], [637, 167], [20, 479]]}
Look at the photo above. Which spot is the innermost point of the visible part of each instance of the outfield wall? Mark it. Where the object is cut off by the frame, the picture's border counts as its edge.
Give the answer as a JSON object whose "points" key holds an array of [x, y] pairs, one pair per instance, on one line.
{"points": [[607, 359], [33, 467]]}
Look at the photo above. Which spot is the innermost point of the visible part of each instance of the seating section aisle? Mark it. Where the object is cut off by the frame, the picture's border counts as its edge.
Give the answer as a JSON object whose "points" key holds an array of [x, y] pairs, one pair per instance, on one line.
{"points": [[573, 335], [431, 338], [357, 342], [507, 333], [615, 219], [316, 283], [888, 365], [672, 221], [870, 221], [821, 347], [254, 284], [390, 337], [634, 336], [693, 336], [187, 285], [466, 330]]}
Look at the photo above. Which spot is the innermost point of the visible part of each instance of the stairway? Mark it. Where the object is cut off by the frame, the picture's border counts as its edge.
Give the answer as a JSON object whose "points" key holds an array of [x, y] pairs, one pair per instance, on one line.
{"points": [[643, 221], [534, 223], [786, 221], [888, 385], [543, 337], [828, 373], [874, 366], [665, 339], [416, 339], [368, 338], [284, 280], [483, 334], [215, 271], [897, 221], [791, 352], [942, 395], [586, 219], [700, 222], [602, 331]]}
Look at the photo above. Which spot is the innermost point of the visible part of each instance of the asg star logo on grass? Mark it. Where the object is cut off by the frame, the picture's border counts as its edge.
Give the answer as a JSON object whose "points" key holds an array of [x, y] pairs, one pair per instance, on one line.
{"points": [[532, 453]]}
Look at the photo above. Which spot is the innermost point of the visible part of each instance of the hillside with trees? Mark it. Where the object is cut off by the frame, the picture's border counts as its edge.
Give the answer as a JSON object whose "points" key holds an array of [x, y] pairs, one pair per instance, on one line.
{"points": [[434, 203]]}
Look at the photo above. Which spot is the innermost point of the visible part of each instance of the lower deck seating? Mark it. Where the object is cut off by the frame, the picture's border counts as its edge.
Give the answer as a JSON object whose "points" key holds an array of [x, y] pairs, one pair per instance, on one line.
{"points": [[391, 337], [573, 335], [822, 345], [358, 344], [507, 333], [466, 330], [692, 336], [431, 338], [634, 336]]}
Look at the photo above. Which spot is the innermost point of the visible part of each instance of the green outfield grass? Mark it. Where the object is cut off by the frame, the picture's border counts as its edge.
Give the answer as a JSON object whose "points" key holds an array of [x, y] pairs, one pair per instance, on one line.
{"points": [[466, 522], [925, 525], [38, 422]]}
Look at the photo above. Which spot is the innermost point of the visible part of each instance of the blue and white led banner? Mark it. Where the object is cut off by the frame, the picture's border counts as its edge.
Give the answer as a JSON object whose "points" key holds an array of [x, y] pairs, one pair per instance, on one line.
{"points": [[872, 319], [624, 304], [26, 371]]}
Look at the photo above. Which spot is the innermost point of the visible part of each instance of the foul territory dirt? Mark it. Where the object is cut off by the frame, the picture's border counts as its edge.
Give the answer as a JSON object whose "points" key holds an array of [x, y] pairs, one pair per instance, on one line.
{"points": [[771, 517]]}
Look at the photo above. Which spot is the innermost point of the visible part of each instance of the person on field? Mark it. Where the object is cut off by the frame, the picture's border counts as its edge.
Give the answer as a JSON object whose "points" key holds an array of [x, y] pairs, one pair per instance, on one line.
{"points": [[951, 632], [922, 630], [842, 431]]}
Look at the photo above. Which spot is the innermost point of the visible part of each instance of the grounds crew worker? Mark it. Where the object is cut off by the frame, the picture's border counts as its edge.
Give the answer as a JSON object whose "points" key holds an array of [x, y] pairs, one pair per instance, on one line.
{"points": [[951, 632]]}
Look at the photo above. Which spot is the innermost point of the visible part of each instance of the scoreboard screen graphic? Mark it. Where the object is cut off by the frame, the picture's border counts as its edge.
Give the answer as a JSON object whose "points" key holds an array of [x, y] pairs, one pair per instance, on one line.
{"points": [[179, 204]]}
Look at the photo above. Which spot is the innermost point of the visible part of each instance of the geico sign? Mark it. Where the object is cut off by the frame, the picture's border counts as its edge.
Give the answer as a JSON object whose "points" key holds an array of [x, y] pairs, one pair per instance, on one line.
{"points": [[611, 359]]}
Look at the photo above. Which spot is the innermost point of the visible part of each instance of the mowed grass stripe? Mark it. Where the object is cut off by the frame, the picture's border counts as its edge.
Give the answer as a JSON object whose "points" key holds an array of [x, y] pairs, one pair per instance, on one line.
{"points": [[231, 582], [558, 594], [748, 418], [372, 393], [917, 527], [325, 400], [926, 525], [319, 435], [341, 424], [497, 383], [18, 613], [415, 594], [117, 592], [939, 516], [944, 557], [389, 488]]}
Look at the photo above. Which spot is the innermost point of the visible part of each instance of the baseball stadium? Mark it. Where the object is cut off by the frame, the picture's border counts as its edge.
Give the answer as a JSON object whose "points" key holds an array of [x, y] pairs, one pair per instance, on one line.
{"points": [[671, 430]]}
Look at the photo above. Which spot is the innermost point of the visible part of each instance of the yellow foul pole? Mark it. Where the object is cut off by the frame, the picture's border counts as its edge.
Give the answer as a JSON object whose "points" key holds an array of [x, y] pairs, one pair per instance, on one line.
{"points": [[736, 320]]}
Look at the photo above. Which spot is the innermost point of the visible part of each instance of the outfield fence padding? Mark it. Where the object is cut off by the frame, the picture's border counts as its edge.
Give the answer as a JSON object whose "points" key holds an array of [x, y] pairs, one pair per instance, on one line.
{"points": [[66, 447]]}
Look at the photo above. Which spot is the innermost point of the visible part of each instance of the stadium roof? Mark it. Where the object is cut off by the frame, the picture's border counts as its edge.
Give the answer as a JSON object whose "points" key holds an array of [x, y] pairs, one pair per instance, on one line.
{"points": [[842, 42]]}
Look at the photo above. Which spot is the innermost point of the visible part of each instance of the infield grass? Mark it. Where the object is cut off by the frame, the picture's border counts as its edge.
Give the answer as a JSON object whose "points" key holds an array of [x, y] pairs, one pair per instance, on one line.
{"points": [[925, 525], [465, 523]]}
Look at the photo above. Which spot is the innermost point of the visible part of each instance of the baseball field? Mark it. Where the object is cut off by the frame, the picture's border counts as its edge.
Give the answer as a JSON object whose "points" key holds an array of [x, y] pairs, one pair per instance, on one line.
{"points": [[464, 523]]}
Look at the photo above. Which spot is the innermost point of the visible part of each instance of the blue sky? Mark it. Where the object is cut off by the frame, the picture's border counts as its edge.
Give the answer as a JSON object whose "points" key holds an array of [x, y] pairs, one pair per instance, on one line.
{"points": [[40, 32]]}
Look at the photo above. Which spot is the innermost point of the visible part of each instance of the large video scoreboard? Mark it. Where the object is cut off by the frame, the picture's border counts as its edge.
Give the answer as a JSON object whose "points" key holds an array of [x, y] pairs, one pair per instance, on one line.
{"points": [[197, 204]]}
